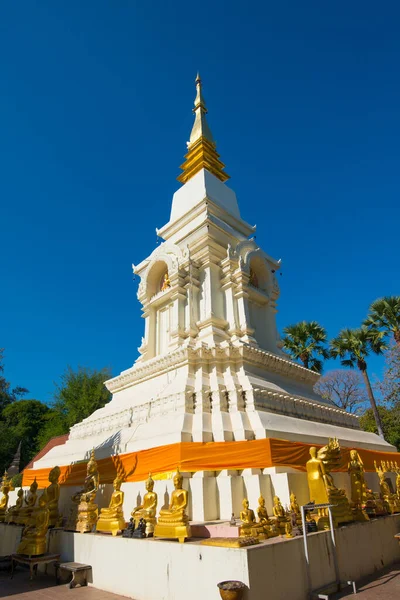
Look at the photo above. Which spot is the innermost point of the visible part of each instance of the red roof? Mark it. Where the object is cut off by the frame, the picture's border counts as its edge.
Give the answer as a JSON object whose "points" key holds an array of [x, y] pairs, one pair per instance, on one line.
{"points": [[55, 441]]}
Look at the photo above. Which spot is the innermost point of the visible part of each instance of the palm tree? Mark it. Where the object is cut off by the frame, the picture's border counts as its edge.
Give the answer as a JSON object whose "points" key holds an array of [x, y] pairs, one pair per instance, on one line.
{"points": [[384, 315], [306, 341], [353, 346]]}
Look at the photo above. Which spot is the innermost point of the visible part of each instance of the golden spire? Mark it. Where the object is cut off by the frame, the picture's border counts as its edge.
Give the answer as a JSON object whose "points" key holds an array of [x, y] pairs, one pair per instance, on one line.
{"points": [[201, 146]]}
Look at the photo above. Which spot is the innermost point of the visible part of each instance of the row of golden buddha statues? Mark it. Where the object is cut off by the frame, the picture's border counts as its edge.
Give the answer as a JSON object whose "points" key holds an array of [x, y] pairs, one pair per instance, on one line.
{"points": [[38, 514]]}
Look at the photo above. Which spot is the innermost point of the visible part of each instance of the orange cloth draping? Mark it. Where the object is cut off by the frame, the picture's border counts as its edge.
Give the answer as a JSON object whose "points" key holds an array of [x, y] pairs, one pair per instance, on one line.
{"points": [[197, 456]]}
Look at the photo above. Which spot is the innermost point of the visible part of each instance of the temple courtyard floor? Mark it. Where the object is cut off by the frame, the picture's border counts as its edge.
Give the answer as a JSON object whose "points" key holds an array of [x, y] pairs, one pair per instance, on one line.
{"points": [[384, 585]]}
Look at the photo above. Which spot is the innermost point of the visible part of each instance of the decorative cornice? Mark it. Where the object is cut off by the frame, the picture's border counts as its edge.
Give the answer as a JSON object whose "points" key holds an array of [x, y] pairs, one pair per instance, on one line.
{"points": [[224, 351], [278, 364]]}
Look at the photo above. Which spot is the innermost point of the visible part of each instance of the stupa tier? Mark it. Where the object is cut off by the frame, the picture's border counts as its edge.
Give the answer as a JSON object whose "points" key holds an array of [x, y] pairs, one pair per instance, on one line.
{"points": [[211, 368]]}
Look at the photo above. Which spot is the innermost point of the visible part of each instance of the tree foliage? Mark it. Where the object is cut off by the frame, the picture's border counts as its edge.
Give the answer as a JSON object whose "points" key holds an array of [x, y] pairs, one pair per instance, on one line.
{"points": [[390, 419], [344, 388], [389, 387], [353, 346], [24, 420], [77, 396], [306, 341], [384, 316], [8, 394]]}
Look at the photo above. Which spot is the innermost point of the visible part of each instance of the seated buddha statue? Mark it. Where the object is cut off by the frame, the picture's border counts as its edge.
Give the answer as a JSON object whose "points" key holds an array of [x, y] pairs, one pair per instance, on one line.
{"points": [[249, 527], [295, 508], [5, 489], [166, 284], [52, 494], [85, 512], [280, 514], [173, 521], [264, 520], [13, 511], [112, 518], [30, 503], [33, 540], [147, 510]]}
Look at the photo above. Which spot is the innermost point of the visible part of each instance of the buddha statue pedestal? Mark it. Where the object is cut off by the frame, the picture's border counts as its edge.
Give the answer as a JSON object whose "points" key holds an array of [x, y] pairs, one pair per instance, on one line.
{"points": [[86, 516], [173, 522], [180, 531], [83, 516], [113, 524], [111, 519]]}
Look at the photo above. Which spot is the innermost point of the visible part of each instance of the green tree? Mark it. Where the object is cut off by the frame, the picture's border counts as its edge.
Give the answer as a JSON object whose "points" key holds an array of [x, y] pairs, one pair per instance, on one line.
{"points": [[77, 396], [384, 315], [390, 419], [8, 446], [23, 420], [353, 346], [305, 341], [8, 394]]}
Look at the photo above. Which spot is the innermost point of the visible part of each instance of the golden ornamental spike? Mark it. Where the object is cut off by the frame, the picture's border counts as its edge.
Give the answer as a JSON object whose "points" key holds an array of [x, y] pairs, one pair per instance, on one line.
{"points": [[202, 152]]}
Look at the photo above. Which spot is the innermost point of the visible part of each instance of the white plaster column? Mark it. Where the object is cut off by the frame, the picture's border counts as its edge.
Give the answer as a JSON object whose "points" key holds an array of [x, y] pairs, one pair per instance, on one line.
{"points": [[256, 484], [231, 493], [202, 427], [242, 297], [178, 298], [228, 287], [203, 489]]}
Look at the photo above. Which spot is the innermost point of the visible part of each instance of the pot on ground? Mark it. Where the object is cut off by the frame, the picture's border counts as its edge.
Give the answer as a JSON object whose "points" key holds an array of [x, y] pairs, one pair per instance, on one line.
{"points": [[231, 590]]}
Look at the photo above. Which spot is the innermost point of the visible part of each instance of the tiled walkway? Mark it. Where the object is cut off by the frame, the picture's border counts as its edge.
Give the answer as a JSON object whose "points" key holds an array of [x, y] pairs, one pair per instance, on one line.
{"points": [[385, 585], [43, 588]]}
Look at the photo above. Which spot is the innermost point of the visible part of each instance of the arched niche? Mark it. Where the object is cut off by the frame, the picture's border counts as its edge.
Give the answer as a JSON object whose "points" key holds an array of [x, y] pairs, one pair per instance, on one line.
{"points": [[259, 273], [155, 277]]}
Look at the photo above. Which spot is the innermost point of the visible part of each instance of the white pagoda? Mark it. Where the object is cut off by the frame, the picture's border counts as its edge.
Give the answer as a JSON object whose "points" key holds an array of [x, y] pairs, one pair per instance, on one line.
{"points": [[211, 365]]}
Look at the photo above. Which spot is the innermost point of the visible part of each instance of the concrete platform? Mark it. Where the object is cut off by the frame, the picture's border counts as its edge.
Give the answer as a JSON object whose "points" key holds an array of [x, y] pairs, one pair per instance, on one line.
{"points": [[154, 569]]}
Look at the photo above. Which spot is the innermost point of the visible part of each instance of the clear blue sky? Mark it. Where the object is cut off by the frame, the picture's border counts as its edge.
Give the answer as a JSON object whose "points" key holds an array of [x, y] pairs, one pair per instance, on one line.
{"points": [[95, 110]]}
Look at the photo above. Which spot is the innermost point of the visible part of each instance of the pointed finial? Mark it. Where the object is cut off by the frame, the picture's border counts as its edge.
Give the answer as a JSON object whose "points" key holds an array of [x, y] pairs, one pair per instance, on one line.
{"points": [[201, 146]]}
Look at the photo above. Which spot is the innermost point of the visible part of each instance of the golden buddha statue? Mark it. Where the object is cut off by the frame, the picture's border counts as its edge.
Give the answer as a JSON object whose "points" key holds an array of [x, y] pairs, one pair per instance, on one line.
{"points": [[249, 526], [262, 513], [147, 510], [390, 499], [280, 514], [84, 515], [321, 485], [396, 470], [30, 503], [165, 282], [295, 508], [6, 487], [355, 469], [13, 511], [51, 495], [33, 540], [173, 522], [112, 518]]}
